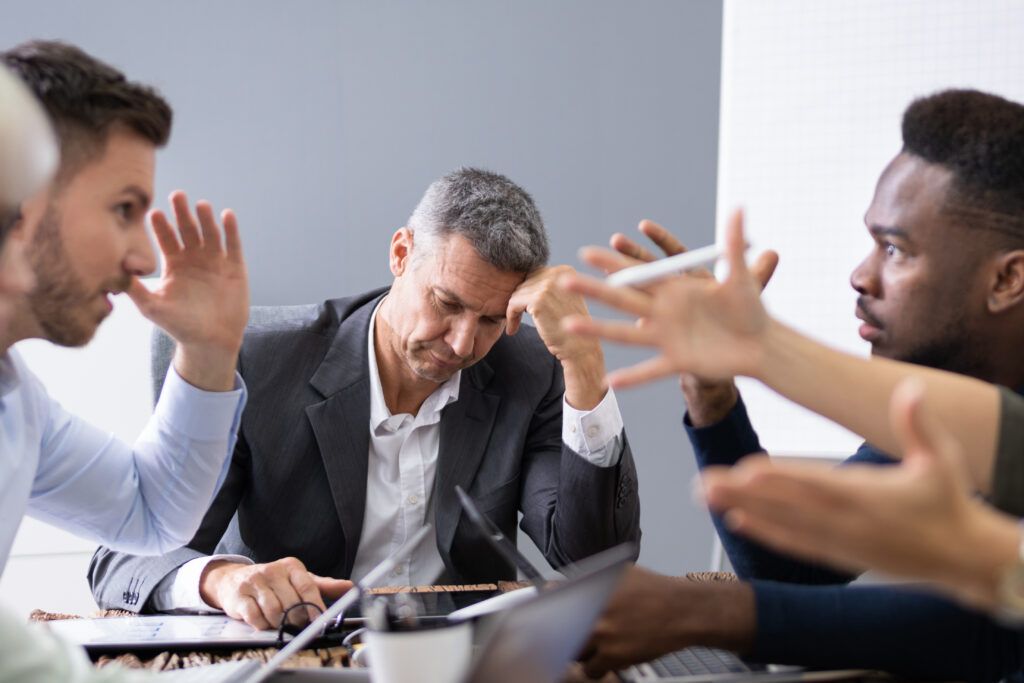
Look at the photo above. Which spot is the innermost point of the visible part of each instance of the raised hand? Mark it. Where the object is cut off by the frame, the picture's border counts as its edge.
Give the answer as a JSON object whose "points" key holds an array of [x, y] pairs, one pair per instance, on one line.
{"points": [[711, 329], [916, 519], [202, 300], [582, 358]]}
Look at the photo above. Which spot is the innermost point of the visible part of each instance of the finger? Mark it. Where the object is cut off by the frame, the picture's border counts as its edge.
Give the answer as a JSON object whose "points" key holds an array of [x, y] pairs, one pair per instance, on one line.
{"points": [[626, 299], [208, 227], [140, 296], [787, 538], [274, 598], [305, 586], [332, 589], [246, 609], [764, 267], [665, 240], [187, 227], [512, 322], [606, 260], [642, 373], [621, 332], [232, 239], [628, 247], [166, 236], [735, 246]]}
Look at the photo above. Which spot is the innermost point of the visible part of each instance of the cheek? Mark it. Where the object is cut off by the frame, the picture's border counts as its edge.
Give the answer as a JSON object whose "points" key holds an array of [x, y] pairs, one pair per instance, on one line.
{"points": [[485, 339]]}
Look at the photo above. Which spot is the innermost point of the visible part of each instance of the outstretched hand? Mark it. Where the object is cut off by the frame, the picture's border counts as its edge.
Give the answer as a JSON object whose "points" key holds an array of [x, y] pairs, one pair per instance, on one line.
{"points": [[202, 299], [916, 519], [700, 325]]}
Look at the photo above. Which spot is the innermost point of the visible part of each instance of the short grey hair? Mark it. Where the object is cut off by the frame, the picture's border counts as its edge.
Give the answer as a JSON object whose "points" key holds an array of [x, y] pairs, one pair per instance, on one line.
{"points": [[497, 216]]}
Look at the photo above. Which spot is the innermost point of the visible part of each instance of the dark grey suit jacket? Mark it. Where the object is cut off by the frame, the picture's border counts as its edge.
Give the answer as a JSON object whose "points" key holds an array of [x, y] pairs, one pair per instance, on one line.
{"points": [[297, 481]]}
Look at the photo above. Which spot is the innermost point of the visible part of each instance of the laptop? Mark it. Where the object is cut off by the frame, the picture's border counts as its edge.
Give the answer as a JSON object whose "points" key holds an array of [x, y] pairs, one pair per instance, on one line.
{"points": [[690, 665]]}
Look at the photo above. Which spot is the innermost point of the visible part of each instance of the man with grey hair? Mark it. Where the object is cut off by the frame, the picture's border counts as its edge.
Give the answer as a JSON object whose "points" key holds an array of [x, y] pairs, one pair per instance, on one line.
{"points": [[364, 417]]}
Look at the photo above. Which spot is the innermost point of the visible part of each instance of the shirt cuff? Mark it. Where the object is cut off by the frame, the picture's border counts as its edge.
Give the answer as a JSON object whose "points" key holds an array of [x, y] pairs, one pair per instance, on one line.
{"points": [[595, 434], [182, 593], [200, 414]]}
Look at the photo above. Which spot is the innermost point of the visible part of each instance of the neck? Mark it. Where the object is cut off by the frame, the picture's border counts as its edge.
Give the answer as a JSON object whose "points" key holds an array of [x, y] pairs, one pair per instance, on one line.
{"points": [[404, 391]]}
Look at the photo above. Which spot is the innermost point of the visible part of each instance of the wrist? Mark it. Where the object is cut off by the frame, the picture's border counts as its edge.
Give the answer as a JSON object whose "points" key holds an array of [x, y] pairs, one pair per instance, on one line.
{"points": [[207, 367], [210, 579], [722, 615], [585, 383], [707, 402], [990, 569]]}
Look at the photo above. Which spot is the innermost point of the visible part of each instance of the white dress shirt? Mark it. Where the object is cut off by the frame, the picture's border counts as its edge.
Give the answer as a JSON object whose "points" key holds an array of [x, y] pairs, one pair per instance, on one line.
{"points": [[403, 460], [146, 499], [400, 484]]}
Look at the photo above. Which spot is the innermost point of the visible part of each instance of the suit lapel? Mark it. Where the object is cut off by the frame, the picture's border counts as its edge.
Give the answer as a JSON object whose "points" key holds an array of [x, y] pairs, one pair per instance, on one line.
{"points": [[341, 423], [466, 427]]}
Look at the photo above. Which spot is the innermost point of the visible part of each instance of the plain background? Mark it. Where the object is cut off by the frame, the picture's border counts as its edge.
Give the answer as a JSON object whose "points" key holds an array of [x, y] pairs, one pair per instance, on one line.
{"points": [[321, 122]]}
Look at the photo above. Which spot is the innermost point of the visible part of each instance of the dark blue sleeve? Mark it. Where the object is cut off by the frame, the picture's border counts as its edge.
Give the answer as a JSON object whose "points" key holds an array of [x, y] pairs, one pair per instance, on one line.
{"points": [[899, 630], [724, 443]]}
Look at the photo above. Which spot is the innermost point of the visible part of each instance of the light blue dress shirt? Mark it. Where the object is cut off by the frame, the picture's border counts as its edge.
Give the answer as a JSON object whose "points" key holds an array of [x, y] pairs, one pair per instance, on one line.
{"points": [[146, 499]]}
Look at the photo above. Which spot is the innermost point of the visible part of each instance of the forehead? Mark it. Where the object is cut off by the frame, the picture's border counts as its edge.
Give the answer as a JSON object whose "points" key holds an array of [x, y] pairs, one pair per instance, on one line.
{"points": [[457, 269], [909, 197], [127, 161]]}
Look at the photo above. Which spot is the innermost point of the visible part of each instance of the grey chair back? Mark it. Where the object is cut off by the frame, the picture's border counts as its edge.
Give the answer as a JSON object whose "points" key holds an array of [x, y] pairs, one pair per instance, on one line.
{"points": [[161, 346]]}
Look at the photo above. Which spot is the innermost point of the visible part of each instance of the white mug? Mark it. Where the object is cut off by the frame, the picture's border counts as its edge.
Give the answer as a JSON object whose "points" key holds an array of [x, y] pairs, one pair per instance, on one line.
{"points": [[431, 655]]}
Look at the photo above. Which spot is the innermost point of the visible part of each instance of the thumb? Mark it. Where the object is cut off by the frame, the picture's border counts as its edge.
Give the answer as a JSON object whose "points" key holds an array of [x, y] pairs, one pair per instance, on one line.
{"points": [[764, 267], [332, 589], [923, 439], [140, 296]]}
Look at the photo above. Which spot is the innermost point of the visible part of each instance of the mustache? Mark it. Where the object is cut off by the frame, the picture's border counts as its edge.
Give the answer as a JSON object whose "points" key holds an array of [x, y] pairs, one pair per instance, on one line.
{"points": [[865, 314], [119, 284]]}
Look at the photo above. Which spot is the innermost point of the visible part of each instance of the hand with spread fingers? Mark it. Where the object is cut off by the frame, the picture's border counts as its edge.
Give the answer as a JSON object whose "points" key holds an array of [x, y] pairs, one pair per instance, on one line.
{"points": [[582, 358], [258, 594], [202, 300], [916, 519], [701, 326], [707, 401]]}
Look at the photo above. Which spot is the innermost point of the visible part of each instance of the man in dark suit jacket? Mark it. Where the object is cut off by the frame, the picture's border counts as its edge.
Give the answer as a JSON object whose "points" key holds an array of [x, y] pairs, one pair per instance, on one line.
{"points": [[362, 419]]}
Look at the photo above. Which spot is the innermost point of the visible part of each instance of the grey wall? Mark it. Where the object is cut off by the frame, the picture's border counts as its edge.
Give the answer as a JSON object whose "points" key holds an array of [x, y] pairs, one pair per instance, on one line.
{"points": [[321, 122]]}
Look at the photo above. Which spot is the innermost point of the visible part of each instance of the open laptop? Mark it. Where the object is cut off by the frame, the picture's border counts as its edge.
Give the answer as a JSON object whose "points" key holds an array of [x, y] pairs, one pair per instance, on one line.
{"points": [[690, 665]]}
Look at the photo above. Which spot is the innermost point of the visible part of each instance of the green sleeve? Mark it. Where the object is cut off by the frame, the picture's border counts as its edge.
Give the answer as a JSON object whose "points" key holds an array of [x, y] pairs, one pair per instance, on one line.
{"points": [[1008, 474]]}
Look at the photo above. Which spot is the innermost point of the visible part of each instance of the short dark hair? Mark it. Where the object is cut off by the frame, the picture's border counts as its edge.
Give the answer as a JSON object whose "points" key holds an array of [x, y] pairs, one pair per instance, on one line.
{"points": [[980, 138], [85, 98]]}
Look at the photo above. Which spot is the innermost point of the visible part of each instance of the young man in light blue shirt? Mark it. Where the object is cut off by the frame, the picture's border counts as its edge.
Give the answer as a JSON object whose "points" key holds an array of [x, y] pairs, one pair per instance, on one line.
{"points": [[84, 239]]}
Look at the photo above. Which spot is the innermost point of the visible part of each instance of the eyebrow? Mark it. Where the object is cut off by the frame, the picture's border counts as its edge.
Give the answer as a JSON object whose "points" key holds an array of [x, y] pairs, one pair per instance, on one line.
{"points": [[888, 231], [141, 195], [455, 298]]}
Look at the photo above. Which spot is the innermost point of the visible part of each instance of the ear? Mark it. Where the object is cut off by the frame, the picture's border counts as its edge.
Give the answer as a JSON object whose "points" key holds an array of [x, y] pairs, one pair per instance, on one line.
{"points": [[400, 253], [1007, 286]]}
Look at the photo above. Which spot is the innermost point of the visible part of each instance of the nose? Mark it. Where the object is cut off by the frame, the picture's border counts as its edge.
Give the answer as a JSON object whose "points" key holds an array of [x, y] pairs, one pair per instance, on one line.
{"points": [[461, 336], [864, 278], [140, 258]]}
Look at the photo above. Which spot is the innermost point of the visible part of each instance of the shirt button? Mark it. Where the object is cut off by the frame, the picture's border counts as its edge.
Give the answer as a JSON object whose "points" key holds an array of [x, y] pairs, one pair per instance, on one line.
{"points": [[572, 428], [413, 499], [592, 432], [398, 570]]}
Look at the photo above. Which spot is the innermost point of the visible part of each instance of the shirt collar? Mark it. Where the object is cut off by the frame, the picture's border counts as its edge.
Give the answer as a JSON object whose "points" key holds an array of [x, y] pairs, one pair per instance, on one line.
{"points": [[431, 409]]}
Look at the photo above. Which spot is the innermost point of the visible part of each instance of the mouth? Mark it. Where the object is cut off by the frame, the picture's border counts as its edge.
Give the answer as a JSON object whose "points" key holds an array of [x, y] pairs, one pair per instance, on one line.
{"points": [[871, 328]]}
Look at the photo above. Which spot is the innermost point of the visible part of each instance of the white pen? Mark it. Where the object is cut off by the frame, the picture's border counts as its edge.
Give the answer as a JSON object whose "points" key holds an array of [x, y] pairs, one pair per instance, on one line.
{"points": [[671, 265]]}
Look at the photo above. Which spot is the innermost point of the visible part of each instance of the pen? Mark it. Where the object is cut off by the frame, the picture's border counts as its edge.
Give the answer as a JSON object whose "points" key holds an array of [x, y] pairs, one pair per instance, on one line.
{"points": [[649, 272]]}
